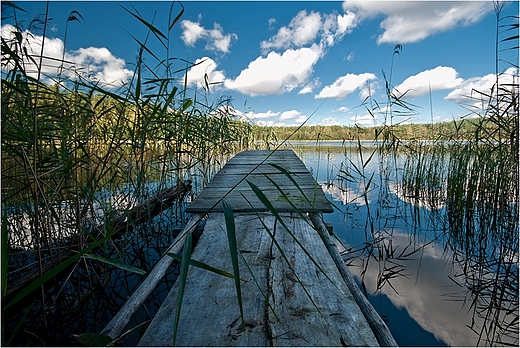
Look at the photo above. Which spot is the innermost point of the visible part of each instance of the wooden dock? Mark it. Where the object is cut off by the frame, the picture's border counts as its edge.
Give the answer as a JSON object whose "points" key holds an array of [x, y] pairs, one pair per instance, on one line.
{"points": [[296, 290], [262, 169]]}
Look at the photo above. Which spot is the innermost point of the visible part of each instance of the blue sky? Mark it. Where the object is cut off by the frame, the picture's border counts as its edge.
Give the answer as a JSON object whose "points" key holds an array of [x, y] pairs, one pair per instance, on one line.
{"points": [[282, 62]]}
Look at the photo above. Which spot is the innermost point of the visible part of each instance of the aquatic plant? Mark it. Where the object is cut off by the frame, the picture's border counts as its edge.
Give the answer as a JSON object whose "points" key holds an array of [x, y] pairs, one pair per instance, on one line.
{"points": [[77, 153]]}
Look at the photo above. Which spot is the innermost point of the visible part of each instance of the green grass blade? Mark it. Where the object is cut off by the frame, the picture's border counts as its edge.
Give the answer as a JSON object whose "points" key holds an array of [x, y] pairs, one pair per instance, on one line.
{"points": [[115, 263], [178, 16], [55, 271], [204, 266], [4, 252], [17, 328], [150, 26], [232, 239], [183, 275]]}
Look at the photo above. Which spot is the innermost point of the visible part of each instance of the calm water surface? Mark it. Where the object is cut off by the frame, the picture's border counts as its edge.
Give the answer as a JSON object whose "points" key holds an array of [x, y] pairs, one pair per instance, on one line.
{"points": [[398, 251]]}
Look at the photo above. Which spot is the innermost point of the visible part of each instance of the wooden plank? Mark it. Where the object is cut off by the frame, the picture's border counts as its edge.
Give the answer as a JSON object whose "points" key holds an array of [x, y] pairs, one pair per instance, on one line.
{"points": [[261, 180], [210, 315], [231, 182], [247, 201], [277, 309], [313, 305]]}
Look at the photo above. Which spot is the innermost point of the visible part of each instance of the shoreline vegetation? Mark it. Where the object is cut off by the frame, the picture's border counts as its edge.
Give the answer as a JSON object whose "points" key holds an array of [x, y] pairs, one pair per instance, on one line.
{"points": [[76, 154], [464, 129]]}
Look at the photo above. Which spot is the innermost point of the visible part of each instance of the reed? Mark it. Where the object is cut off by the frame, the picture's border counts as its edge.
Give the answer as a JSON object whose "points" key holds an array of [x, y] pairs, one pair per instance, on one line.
{"points": [[479, 189], [76, 153]]}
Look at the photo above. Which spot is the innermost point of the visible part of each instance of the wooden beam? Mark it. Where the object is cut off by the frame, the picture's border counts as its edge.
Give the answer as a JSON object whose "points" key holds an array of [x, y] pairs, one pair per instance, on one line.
{"points": [[381, 331], [119, 321]]}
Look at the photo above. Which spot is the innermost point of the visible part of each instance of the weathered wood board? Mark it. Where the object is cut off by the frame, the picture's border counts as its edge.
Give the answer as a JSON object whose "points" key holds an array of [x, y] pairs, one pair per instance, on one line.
{"points": [[288, 299], [231, 183]]}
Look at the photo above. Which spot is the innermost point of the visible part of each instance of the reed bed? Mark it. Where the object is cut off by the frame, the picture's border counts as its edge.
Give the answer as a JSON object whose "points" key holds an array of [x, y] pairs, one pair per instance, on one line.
{"points": [[466, 180], [75, 154]]}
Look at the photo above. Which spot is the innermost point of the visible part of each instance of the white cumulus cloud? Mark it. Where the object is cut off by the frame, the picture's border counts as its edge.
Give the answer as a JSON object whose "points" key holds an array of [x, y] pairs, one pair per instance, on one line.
{"points": [[100, 65], [439, 78], [309, 87], [341, 109], [345, 85], [364, 120], [96, 64], [307, 28], [215, 38], [288, 115], [276, 118], [302, 30], [192, 31], [276, 73], [330, 121], [412, 21], [256, 115], [475, 89]]}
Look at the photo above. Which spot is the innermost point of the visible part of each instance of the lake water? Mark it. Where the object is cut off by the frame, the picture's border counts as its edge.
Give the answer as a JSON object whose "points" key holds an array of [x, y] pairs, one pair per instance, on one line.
{"points": [[431, 288], [401, 253]]}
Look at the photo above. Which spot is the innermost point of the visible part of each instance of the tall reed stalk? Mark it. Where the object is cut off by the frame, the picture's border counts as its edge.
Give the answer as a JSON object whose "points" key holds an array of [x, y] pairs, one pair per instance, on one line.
{"points": [[76, 153], [480, 192]]}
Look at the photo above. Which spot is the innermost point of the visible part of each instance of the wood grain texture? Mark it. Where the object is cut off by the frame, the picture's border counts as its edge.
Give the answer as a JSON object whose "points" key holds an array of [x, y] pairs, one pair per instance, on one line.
{"points": [[288, 300], [210, 315], [380, 329], [231, 183], [313, 305]]}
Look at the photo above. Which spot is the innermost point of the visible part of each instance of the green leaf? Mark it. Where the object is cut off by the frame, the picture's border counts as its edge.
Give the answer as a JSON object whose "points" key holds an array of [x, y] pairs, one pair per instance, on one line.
{"points": [[204, 266], [11, 4], [232, 239], [115, 263], [186, 104], [150, 26], [94, 339], [177, 18]]}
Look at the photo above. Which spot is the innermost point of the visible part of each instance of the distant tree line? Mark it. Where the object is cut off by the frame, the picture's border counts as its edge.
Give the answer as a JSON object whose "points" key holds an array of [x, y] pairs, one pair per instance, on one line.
{"points": [[454, 130]]}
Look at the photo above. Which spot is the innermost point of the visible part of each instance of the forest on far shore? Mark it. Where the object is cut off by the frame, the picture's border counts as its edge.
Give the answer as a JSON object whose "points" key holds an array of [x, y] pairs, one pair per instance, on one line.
{"points": [[442, 131]]}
